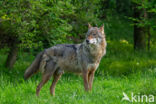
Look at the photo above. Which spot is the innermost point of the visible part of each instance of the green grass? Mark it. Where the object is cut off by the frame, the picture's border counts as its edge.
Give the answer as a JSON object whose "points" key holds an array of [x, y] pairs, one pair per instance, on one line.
{"points": [[69, 90], [120, 71]]}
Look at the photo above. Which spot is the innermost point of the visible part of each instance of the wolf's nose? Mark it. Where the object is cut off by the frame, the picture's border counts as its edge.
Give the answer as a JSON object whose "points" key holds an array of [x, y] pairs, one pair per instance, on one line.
{"points": [[87, 41]]}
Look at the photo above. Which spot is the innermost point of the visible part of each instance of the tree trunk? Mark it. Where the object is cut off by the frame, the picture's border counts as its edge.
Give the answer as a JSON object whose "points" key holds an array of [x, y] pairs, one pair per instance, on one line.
{"points": [[139, 31], [11, 59], [149, 38], [139, 38]]}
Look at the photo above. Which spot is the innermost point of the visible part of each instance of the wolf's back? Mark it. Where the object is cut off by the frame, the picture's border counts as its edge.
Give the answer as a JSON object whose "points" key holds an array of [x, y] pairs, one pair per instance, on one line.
{"points": [[34, 67]]}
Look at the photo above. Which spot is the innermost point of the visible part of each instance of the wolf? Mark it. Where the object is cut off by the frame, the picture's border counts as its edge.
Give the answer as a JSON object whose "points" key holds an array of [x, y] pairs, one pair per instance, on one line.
{"points": [[83, 58]]}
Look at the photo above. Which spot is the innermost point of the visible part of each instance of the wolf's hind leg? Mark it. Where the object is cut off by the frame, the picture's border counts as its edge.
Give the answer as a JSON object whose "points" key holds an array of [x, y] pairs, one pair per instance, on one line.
{"points": [[57, 76], [45, 78], [49, 70]]}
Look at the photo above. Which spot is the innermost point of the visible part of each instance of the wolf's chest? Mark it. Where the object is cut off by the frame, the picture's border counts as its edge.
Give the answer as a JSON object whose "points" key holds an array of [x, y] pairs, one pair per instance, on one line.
{"points": [[92, 66]]}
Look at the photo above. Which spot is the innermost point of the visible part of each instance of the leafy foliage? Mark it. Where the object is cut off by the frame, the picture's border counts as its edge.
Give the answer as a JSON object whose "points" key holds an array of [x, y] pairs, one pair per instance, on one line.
{"points": [[38, 24], [42, 23]]}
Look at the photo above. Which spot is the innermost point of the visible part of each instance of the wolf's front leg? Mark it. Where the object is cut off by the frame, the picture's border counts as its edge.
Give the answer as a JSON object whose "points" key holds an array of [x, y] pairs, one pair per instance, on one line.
{"points": [[91, 78], [85, 79]]}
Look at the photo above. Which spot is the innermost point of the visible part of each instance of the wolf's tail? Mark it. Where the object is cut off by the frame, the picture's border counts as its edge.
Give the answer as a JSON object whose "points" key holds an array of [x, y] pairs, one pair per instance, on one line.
{"points": [[34, 67]]}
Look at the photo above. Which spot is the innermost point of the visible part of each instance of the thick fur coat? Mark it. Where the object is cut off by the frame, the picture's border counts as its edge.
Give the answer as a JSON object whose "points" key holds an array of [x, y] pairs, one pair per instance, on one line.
{"points": [[81, 58]]}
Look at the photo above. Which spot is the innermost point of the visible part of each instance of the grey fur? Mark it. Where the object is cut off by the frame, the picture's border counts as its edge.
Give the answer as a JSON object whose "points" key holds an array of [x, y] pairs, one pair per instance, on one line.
{"points": [[68, 57], [75, 58]]}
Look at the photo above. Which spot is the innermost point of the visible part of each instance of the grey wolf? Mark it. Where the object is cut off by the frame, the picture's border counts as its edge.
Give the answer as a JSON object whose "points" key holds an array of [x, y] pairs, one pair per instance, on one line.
{"points": [[81, 58]]}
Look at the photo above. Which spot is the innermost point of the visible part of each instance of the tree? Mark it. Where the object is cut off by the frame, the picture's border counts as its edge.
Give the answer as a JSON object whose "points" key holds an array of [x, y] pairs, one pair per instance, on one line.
{"points": [[139, 31], [40, 23], [142, 23], [30, 23]]}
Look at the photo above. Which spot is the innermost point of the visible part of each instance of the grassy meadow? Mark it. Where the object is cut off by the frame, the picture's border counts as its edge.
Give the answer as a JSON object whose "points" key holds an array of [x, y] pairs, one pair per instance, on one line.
{"points": [[121, 70], [117, 73]]}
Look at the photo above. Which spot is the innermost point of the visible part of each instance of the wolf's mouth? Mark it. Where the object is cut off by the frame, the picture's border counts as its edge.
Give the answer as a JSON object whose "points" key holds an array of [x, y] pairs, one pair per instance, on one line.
{"points": [[91, 41]]}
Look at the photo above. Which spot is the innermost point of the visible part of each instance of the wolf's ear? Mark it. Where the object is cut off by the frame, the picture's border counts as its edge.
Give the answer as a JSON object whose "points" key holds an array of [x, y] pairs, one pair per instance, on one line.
{"points": [[89, 26], [102, 29]]}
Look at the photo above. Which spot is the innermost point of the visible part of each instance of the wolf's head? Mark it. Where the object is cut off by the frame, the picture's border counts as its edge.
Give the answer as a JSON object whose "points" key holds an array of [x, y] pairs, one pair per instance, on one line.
{"points": [[95, 36]]}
